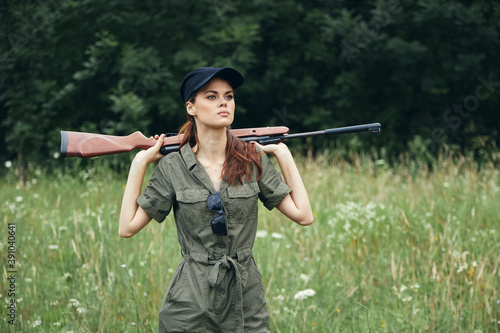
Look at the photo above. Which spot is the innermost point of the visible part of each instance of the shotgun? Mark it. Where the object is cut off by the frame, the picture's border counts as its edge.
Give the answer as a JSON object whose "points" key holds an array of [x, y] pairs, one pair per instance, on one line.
{"points": [[80, 144]]}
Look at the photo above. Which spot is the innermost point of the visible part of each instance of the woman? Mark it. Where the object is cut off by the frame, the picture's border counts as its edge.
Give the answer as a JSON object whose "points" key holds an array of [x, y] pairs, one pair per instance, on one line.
{"points": [[213, 185]]}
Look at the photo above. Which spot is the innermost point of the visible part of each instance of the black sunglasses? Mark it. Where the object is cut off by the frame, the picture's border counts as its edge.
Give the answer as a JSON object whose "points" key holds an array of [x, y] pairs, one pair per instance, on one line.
{"points": [[214, 203]]}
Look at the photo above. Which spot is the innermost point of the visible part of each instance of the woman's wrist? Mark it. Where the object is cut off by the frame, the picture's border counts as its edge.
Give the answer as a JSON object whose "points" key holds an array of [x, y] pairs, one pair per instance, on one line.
{"points": [[282, 151], [138, 164]]}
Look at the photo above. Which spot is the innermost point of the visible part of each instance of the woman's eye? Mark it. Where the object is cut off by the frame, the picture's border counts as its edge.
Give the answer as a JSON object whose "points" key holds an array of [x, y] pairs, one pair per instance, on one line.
{"points": [[229, 97], [211, 97]]}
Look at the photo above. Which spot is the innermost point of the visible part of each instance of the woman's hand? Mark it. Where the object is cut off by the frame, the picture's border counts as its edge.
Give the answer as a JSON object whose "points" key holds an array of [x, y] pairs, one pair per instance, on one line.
{"points": [[273, 149], [151, 154]]}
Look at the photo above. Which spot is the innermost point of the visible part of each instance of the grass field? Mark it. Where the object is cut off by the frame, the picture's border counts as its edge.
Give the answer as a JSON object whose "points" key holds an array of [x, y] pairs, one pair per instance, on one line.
{"points": [[405, 248]]}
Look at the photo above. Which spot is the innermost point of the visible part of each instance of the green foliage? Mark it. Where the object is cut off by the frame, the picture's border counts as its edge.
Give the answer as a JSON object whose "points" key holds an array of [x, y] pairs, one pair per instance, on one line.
{"points": [[419, 67]]}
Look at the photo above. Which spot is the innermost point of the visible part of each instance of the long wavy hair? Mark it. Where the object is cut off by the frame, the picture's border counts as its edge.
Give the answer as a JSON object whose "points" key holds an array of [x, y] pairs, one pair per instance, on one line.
{"points": [[241, 156]]}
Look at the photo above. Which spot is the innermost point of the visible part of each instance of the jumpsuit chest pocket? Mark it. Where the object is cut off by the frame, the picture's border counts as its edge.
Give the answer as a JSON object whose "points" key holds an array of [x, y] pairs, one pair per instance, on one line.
{"points": [[243, 202], [192, 210]]}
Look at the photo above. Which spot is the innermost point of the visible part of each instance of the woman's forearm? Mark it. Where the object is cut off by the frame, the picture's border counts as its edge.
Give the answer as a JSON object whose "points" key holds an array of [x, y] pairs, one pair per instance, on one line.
{"points": [[132, 217], [132, 191], [294, 180], [296, 206]]}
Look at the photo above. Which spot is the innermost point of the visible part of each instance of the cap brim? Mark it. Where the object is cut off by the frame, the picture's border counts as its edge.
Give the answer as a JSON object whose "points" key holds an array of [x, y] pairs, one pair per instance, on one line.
{"points": [[191, 85]]}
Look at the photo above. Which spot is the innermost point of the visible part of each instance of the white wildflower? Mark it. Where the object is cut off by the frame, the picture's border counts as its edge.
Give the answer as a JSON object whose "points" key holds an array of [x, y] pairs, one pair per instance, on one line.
{"points": [[299, 296], [56, 155], [19, 199], [123, 266], [36, 323], [277, 235], [8, 164], [303, 294], [261, 234], [462, 267], [415, 286], [57, 323], [74, 302], [80, 310], [354, 219], [53, 247], [309, 292]]}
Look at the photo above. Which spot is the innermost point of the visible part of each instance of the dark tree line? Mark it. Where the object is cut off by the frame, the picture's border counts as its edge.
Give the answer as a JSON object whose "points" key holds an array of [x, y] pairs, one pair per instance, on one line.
{"points": [[427, 70]]}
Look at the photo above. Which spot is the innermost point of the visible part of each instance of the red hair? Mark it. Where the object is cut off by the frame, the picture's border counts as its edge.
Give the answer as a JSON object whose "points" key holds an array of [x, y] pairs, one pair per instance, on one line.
{"points": [[241, 156]]}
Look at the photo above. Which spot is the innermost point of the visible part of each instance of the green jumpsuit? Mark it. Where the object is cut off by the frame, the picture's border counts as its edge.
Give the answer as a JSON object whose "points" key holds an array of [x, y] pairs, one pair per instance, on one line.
{"points": [[217, 287]]}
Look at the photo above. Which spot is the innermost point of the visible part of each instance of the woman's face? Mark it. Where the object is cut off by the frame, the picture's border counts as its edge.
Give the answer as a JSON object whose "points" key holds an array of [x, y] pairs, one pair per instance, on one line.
{"points": [[214, 104]]}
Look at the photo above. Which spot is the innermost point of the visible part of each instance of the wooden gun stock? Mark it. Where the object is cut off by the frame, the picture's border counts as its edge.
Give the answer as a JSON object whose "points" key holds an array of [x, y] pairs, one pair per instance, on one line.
{"points": [[80, 144]]}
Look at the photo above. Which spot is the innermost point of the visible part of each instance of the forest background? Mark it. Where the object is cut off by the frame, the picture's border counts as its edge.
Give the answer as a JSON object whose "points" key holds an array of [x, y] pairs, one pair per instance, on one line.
{"points": [[427, 70]]}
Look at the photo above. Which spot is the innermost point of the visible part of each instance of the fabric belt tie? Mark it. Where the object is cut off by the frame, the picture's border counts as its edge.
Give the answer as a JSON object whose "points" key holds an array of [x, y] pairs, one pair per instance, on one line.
{"points": [[220, 268], [216, 276], [218, 272]]}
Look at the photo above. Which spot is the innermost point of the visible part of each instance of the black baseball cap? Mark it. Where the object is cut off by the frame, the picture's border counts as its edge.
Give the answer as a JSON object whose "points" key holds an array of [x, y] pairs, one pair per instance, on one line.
{"points": [[199, 77]]}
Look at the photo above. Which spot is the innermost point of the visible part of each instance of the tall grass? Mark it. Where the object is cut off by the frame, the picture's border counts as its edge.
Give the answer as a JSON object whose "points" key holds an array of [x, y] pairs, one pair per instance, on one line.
{"points": [[407, 248]]}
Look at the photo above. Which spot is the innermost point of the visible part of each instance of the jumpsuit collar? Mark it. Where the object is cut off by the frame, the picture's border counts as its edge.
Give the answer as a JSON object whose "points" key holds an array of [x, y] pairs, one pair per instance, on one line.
{"points": [[198, 171]]}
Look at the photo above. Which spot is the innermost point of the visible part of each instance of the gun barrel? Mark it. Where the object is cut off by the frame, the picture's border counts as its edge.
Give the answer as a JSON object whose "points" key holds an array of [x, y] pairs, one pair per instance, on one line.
{"points": [[373, 128]]}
